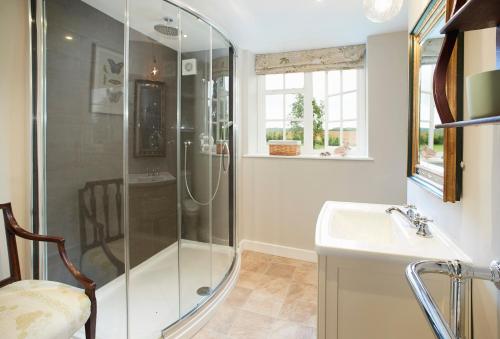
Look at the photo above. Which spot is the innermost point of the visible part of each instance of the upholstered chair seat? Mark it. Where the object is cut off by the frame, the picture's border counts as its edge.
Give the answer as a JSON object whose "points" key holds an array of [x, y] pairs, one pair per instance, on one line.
{"points": [[39, 309]]}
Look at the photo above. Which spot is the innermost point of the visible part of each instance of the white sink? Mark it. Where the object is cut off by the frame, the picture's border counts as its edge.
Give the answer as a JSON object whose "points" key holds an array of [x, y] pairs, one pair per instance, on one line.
{"points": [[162, 177], [357, 229]]}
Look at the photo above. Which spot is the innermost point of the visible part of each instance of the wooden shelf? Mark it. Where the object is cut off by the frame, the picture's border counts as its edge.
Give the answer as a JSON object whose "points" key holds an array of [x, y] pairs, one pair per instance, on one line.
{"points": [[480, 121], [475, 14]]}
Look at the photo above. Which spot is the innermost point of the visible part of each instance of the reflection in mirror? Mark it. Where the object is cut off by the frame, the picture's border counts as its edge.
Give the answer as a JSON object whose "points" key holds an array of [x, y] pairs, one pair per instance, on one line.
{"points": [[149, 119], [431, 141]]}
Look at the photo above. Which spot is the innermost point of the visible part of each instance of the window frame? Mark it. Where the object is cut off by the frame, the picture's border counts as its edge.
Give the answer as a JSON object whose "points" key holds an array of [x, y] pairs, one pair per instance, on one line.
{"points": [[361, 148]]}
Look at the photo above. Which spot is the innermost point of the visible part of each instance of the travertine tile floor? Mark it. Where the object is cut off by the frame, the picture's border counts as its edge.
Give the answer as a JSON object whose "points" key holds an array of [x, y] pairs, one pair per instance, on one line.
{"points": [[275, 297]]}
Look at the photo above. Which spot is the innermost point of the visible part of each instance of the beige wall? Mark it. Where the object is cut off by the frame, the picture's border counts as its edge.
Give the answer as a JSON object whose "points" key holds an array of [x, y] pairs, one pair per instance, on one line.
{"points": [[474, 222], [14, 113], [279, 199]]}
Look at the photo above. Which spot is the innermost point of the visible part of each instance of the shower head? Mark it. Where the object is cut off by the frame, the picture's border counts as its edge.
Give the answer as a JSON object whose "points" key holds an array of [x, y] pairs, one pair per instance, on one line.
{"points": [[167, 28]]}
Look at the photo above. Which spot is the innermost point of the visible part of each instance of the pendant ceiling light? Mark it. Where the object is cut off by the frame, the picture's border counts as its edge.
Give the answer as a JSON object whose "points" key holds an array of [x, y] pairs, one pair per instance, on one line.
{"points": [[381, 10]]}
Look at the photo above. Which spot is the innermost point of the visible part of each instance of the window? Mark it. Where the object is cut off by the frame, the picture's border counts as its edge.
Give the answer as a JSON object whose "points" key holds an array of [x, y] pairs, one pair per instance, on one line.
{"points": [[323, 110]]}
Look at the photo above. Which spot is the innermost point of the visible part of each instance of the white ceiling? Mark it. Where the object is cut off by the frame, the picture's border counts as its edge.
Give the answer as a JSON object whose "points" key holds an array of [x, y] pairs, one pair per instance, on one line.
{"points": [[286, 25], [262, 25]]}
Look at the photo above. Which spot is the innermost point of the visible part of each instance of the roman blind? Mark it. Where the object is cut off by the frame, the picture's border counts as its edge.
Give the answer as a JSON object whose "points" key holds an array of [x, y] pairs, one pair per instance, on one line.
{"points": [[344, 57]]}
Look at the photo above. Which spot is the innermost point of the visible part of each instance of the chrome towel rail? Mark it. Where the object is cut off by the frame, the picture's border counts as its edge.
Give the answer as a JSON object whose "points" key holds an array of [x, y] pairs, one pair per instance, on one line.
{"points": [[458, 273]]}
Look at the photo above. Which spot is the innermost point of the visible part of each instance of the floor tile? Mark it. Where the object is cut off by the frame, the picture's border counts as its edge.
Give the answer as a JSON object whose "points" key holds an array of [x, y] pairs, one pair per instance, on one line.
{"points": [[275, 287], [282, 329], [255, 262], [222, 320], [250, 325], [303, 312], [249, 279], [280, 270], [288, 261], [206, 333], [303, 292], [261, 303], [306, 275], [238, 296]]}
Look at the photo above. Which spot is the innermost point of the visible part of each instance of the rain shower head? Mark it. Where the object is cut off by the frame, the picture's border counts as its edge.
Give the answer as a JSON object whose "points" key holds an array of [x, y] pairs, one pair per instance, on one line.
{"points": [[167, 28]]}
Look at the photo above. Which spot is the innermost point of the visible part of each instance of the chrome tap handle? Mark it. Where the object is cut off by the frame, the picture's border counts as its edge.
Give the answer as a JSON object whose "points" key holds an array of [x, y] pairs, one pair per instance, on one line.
{"points": [[411, 212], [422, 224]]}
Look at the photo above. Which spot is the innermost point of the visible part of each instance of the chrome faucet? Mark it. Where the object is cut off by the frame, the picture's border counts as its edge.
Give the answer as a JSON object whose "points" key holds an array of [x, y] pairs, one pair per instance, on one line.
{"points": [[414, 218], [410, 213], [154, 172]]}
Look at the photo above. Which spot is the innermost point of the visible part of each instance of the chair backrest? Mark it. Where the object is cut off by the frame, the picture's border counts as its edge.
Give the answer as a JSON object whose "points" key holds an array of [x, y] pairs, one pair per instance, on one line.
{"points": [[10, 270], [100, 205]]}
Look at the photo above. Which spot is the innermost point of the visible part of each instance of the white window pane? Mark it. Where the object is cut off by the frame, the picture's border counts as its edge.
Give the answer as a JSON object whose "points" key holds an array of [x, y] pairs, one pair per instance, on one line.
{"points": [[319, 86], [334, 107], [437, 118], [333, 82], [295, 131], [349, 80], [294, 80], [334, 134], [294, 106], [350, 106], [426, 74], [425, 104], [274, 106], [274, 130], [274, 81], [350, 132]]}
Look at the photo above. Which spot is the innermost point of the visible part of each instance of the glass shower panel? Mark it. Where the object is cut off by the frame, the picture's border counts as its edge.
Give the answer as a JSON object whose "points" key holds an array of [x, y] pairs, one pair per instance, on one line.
{"points": [[152, 167], [222, 206], [83, 137], [197, 143]]}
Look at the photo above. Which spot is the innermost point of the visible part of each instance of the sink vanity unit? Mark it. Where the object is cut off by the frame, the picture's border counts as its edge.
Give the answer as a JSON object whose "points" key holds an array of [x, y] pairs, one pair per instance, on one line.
{"points": [[363, 253]]}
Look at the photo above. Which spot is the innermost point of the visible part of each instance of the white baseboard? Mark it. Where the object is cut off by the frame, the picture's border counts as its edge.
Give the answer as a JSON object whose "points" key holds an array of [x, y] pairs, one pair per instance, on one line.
{"points": [[279, 250]]}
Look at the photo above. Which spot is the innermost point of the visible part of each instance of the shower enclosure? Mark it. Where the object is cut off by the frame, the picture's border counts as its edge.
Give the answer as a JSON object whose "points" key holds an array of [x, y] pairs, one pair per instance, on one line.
{"points": [[133, 156]]}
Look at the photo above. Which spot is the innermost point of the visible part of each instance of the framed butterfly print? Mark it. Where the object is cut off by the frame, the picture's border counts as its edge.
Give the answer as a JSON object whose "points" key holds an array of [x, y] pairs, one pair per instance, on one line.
{"points": [[107, 81]]}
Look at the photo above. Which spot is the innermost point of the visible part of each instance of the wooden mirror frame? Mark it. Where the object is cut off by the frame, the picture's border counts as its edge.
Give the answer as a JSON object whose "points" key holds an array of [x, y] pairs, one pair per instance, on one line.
{"points": [[453, 137], [139, 151]]}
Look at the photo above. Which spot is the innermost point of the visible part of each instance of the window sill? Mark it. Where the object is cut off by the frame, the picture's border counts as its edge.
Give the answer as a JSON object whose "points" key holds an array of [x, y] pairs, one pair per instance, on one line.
{"points": [[311, 157]]}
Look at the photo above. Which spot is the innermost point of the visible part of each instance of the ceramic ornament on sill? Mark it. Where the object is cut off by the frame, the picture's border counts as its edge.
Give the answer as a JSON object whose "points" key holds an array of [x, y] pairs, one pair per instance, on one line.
{"points": [[343, 150]]}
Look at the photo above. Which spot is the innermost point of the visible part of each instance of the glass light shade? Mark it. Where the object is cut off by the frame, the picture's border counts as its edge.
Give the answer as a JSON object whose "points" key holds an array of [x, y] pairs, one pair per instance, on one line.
{"points": [[381, 10]]}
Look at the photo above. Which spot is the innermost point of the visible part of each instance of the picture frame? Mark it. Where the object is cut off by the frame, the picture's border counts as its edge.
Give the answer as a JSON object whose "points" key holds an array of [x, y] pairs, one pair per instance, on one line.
{"points": [[106, 94]]}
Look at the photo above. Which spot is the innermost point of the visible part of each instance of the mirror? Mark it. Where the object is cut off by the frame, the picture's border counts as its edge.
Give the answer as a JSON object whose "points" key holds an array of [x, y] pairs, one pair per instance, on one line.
{"points": [[434, 154], [149, 119]]}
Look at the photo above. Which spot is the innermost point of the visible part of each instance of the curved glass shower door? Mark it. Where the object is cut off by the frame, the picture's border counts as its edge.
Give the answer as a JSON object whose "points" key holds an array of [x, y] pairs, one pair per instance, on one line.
{"points": [[222, 157], [153, 178], [195, 136], [138, 166], [206, 249]]}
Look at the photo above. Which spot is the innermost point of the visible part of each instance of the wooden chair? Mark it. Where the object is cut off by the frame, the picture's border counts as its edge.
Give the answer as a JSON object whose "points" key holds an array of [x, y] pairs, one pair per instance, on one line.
{"points": [[50, 308], [101, 229]]}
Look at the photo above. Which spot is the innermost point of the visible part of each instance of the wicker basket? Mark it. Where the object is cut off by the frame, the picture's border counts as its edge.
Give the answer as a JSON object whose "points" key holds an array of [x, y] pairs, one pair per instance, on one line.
{"points": [[284, 147]]}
